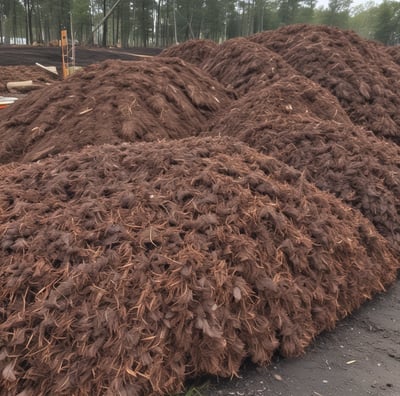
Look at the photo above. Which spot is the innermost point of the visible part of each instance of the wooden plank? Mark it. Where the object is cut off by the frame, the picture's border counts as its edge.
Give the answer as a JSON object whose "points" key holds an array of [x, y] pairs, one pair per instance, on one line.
{"points": [[50, 69]]}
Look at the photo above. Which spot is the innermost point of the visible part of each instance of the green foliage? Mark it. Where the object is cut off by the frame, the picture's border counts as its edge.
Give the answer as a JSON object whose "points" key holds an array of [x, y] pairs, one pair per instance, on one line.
{"points": [[338, 13], [387, 23], [363, 20], [163, 22]]}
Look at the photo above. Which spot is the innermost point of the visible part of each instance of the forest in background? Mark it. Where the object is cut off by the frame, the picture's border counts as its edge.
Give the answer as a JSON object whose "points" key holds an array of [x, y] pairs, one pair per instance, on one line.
{"points": [[159, 23]]}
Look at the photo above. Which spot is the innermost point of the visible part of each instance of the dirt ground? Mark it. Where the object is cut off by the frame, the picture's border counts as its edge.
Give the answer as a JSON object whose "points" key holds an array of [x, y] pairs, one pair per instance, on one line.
{"points": [[360, 357], [47, 56]]}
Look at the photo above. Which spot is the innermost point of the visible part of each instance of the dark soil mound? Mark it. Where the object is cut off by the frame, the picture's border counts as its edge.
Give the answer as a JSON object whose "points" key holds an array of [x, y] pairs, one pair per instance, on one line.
{"points": [[358, 72], [126, 269], [192, 51], [111, 102], [23, 73], [352, 163]]}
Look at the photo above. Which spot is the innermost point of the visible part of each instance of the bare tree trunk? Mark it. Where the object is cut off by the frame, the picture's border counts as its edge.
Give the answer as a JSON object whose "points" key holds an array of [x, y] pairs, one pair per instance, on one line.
{"points": [[125, 26], [39, 25], [174, 16], [158, 24], [1, 27], [105, 24]]}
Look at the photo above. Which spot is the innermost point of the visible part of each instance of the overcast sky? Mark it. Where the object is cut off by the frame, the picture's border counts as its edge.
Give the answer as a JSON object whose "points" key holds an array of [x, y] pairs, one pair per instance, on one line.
{"points": [[324, 3]]}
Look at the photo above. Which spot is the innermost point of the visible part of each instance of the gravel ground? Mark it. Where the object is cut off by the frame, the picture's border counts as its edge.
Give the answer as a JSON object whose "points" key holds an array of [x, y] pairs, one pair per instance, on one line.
{"points": [[360, 357]]}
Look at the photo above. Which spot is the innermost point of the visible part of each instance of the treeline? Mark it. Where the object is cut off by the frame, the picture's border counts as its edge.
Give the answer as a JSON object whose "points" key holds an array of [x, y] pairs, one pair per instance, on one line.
{"points": [[160, 23]]}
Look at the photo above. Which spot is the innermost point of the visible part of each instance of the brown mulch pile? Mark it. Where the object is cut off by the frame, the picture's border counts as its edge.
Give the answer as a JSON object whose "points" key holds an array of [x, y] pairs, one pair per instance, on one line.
{"points": [[358, 72], [112, 102], [348, 161], [126, 269], [23, 73], [192, 51], [394, 52], [246, 66]]}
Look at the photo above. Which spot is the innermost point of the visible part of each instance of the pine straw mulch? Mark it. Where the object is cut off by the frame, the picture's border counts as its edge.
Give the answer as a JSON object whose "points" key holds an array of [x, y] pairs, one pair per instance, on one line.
{"points": [[348, 161], [246, 66], [23, 73], [127, 269], [359, 73], [112, 102], [394, 52], [192, 51]]}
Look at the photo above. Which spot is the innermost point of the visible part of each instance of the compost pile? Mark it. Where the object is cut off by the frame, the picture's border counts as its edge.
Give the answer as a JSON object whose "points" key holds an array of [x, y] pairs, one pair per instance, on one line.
{"points": [[23, 73], [130, 267], [192, 51], [112, 102], [359, 73], [348, 161]]}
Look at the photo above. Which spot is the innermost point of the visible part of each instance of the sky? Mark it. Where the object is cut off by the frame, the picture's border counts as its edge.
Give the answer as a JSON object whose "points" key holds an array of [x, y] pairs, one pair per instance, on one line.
{"points": [[324, 3]]}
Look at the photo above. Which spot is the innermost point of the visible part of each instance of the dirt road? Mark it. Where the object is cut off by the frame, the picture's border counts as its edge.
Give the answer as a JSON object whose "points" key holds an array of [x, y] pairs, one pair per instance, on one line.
{"points": [[26, 56]]}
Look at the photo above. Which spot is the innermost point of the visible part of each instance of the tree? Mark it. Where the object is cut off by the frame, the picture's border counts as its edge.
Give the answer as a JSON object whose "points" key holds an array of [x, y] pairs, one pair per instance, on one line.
{"points": [[306, 10], [338, 13], [387, 28], [363, 20], [81, 20], [288, 11], [125, 15]]}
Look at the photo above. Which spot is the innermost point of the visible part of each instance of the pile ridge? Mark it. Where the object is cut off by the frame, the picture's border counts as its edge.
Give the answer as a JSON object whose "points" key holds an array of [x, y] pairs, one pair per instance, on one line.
{"points": [[358, 72], [126, 269], [112, 102], [192, 51], [244, 66]]}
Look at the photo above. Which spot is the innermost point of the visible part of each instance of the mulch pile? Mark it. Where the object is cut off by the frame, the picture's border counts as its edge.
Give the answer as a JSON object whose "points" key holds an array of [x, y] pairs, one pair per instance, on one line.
{"points": [[359, 73], [126, 269], [394, 52], [249, 67], [192, 51], [138, 251], [348, 161], [23, 73], [112, 102]]}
